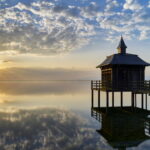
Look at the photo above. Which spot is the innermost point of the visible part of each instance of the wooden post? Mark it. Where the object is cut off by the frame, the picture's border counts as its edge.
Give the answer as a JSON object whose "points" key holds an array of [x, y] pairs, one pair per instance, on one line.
{"points": [[132, 99], [149, 87], [112, 98], [107, 99], [149, 126], [142, 101], [135, 100], [92, 112], [92, 98], [121, 98], [146, 101], [96, 84], [99, 98]]}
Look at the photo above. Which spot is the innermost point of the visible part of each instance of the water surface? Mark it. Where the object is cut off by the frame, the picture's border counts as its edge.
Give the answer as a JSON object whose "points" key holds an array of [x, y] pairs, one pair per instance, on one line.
{"points": [[55, 115]]}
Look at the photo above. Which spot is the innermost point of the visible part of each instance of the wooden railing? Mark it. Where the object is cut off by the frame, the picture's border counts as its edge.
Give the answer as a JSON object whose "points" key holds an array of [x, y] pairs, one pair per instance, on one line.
{"points": [[96, 115], [147, 127], [129, 86]]}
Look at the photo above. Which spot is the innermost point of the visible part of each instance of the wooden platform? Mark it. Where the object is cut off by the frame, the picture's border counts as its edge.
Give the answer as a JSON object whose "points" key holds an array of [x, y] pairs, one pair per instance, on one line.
{"points": [[119, 110], [98, 87], [136, 87]]}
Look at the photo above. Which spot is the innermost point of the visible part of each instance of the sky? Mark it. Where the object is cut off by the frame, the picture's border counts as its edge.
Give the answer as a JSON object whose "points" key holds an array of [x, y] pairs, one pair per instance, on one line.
{"points": [[69, 35]]}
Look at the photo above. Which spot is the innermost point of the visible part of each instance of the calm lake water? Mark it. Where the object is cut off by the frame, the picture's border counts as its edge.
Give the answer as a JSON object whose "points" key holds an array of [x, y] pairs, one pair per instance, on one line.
{"points": [[57, 116]]}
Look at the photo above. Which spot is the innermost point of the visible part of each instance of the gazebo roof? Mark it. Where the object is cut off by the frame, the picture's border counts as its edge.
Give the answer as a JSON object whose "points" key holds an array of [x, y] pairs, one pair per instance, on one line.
{"points": [[123, 59], [122, 46]]}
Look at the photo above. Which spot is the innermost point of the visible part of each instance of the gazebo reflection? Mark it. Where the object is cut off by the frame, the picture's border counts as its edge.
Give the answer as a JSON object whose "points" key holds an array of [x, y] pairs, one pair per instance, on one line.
{"points": [[121, 127]]}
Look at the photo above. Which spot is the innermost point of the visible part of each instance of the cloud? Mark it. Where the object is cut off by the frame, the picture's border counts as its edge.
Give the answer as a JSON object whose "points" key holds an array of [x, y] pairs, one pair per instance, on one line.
{"points": [[131, 19], [148, 4], [144, 35], [52, 27], [7, 61], [91, 10], [45, 74], [44, 28], [111, 5], [132, 5]]}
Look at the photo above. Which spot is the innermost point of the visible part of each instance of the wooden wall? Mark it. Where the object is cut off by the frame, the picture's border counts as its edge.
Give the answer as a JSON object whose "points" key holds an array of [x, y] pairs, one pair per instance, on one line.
{"points": [[123, 75]]}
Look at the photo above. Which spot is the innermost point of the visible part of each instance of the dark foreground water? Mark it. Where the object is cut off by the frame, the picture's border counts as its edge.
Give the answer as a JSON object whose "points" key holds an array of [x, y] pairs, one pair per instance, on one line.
{"points": [[57, 116]]}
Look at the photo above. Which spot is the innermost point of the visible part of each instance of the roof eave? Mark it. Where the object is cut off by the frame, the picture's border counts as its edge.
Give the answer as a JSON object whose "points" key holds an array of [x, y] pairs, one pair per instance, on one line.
{"points": [[99, 66], [148, 64]]}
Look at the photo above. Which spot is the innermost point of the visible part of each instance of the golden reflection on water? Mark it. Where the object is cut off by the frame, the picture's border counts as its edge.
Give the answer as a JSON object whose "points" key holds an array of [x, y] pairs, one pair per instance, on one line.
{"points": [[67, 94]]}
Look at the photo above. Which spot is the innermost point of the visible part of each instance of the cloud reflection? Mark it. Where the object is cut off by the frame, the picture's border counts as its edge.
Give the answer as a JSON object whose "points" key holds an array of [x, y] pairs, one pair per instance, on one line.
{"points": [[47, 129]]}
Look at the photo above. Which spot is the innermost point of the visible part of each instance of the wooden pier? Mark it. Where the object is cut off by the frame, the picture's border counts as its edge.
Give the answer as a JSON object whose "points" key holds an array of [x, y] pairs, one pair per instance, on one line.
{"points": [[123, 126], [122, 72]]}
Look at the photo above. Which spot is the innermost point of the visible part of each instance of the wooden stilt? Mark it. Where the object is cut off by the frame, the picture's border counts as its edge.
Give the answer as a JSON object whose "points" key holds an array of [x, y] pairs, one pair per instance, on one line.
{"points": [[112, 99], [92, 112], [146, 101], [135, 100], [132, 100], [107, 99], [121, 98], [142, 101], [92, 98], [149, 127], [99, 98]]}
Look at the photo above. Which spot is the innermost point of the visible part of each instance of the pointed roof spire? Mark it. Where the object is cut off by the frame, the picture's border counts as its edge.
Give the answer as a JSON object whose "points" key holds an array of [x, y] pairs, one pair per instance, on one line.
{"points": [[121, 47]]}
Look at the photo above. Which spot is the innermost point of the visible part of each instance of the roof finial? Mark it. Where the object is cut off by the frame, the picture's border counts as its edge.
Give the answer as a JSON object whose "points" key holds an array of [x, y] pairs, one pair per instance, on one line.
{"points": [[121, 36], [121, 47]]}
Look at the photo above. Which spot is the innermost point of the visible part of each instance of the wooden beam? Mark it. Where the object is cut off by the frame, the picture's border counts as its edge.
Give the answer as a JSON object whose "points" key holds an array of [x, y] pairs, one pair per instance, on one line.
{"points": [[107, 99], [132, 99], [99, 98], [142, 101], [109, 69], [135, 99], [121, 98], [92, 98], [113, 99], [146, 101]]}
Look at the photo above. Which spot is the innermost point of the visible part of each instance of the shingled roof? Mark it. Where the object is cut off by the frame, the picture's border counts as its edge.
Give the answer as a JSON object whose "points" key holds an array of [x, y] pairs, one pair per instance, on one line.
{"points": [[123, 59]]}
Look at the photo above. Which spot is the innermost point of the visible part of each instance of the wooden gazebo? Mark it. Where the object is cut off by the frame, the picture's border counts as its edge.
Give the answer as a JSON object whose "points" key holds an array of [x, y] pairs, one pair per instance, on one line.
{"points": [[122, 72]]}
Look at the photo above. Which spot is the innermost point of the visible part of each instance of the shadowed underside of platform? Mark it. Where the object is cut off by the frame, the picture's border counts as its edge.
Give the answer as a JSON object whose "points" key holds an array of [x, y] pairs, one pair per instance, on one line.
{"points": [[119, 110]]}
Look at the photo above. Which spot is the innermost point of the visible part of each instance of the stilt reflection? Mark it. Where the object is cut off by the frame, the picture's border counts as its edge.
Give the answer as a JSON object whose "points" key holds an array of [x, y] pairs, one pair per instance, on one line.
{"points": [[123, 127]]}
